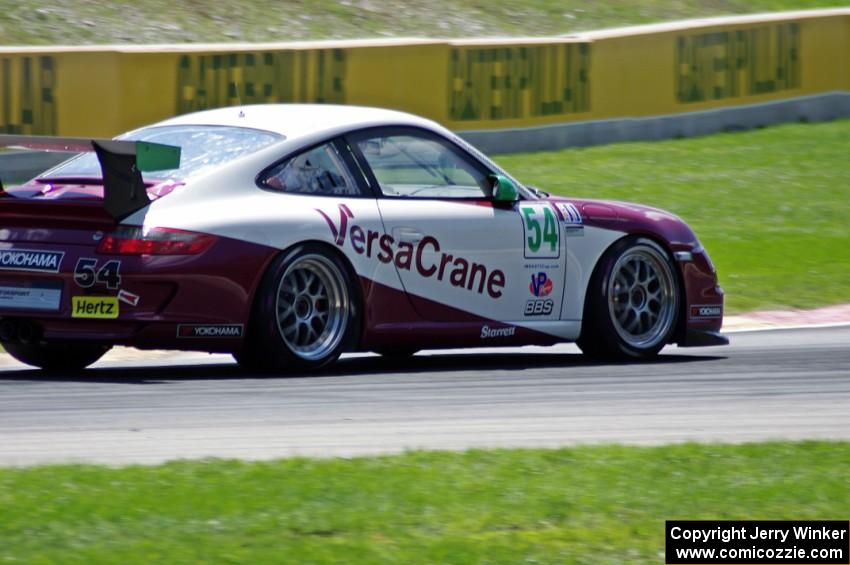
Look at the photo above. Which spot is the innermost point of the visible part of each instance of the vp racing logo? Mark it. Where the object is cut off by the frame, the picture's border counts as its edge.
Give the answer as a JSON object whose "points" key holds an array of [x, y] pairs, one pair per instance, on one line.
{"points": [[30, 260], [424, 257], [540, 287]]}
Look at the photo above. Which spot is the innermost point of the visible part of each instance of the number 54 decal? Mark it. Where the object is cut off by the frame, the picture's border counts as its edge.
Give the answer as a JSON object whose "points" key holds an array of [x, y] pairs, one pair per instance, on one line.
{"points": [[86, 273], [542, 235]]}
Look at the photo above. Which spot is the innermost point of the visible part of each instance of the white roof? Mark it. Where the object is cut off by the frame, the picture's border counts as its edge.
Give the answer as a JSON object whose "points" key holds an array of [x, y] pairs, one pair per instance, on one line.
{"points": [[297, 120]]}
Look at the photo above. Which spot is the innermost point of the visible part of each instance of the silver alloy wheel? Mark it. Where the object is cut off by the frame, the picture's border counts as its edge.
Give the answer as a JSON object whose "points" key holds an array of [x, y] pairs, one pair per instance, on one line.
{"points": [[642, 297], [312, 307]]}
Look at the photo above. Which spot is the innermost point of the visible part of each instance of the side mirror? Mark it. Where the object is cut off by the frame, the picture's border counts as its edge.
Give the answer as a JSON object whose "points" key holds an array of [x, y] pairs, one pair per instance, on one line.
{"points": [[503, 189]]}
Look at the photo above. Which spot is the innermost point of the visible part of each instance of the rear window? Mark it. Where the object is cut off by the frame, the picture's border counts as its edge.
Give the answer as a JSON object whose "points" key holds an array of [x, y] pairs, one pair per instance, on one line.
{"points": [[203, 147]]}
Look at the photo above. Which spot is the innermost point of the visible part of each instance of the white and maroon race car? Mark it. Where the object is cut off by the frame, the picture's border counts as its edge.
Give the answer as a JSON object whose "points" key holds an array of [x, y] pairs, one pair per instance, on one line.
{"points": [[288, 234]]}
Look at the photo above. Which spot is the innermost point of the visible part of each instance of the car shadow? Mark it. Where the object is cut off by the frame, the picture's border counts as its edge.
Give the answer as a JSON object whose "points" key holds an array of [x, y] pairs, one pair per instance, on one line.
{"points": [[159, 373]]}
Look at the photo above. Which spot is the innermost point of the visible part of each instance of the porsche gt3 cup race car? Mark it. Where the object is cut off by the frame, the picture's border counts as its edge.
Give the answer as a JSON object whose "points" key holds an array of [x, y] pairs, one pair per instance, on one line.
{"points": [[288, 234]]}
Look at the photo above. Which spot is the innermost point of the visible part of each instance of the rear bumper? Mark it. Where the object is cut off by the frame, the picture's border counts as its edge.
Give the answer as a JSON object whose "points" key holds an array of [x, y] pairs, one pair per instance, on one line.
{"points": [[193, 302], [703, 338]]}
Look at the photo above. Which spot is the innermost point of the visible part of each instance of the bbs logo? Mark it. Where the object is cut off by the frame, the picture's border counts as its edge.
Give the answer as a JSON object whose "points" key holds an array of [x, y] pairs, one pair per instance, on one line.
{"points": [[539, 307]]}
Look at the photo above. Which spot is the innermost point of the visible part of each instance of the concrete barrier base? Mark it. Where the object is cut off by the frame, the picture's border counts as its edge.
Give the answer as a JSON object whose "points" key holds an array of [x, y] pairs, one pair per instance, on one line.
{"points": [[814, 108]]}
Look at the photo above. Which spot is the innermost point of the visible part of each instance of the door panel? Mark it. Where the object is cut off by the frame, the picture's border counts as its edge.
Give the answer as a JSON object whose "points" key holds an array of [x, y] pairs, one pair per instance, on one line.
{"points": [[543, 254], [471, 256], [448, 240]]}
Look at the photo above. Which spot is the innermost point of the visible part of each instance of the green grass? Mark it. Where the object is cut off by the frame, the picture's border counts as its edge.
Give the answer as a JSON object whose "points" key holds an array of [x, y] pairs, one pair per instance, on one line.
{"points": [[771, 205], [591, 505], [47, 22]]}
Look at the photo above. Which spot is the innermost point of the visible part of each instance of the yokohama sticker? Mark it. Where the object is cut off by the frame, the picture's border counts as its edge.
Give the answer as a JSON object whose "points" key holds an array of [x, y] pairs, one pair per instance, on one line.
{"points": [[208, 331], [30, 260], [704, 311]]}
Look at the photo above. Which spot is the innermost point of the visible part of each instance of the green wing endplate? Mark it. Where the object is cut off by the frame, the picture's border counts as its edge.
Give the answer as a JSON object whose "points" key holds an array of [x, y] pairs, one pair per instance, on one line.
{"points": [[156, 156]]}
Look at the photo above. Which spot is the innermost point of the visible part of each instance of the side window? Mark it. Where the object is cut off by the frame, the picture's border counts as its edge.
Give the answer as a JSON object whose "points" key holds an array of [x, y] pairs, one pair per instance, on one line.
{"points": [[414, 166], [319, 171]]}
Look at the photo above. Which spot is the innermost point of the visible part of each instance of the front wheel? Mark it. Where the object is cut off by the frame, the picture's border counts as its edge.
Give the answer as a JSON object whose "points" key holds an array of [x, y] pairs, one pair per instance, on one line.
{"points": [[57, 356], [306, 312], [632, 303]]}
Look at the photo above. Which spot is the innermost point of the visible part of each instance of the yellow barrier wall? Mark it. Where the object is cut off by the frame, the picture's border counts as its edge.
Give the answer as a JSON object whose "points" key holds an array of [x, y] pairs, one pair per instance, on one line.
{"points": [[466, 85], [719, 65]]}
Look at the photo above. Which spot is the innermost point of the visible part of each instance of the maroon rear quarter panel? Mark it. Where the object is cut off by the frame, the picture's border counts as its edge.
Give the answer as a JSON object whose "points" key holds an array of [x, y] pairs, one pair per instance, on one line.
{"points": [[214, 287]]}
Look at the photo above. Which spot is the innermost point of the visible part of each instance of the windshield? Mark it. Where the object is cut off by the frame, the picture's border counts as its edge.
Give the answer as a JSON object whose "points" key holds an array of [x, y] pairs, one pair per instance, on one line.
{"points": [[202, 148]]}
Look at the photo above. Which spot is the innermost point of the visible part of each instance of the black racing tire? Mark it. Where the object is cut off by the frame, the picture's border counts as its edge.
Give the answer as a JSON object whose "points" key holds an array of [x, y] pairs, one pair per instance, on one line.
{"points": [[306, 312], [57, 356], [632, 304]]}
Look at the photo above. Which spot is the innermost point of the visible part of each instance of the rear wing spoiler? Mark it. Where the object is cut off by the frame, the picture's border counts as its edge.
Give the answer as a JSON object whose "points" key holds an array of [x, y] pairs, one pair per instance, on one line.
{"points": [[122, 163]]}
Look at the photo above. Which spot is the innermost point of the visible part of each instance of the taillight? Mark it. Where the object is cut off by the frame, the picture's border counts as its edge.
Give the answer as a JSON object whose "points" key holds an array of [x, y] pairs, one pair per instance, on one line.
{"points": [[132, 240]]}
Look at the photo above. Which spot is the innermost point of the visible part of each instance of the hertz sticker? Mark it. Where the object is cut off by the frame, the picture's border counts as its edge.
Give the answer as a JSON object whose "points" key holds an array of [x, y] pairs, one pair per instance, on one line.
{"points": [[100, 307]]}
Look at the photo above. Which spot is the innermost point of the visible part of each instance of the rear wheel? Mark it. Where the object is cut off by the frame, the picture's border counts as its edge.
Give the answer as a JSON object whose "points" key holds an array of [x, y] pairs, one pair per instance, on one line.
{"points": [[57, 356], [632, 303], [306, 314]]}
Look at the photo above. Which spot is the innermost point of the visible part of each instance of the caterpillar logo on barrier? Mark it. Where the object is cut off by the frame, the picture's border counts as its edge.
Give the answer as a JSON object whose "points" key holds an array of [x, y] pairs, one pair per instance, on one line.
{"points": [[202, 330], [228, 79], [744, 62], [706, 311], [27, 99], [500, 83]]}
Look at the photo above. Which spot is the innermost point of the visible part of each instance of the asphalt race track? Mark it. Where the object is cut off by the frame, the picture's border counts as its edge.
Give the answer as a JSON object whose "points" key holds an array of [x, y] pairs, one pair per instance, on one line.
{"points": [[774, 384]]}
